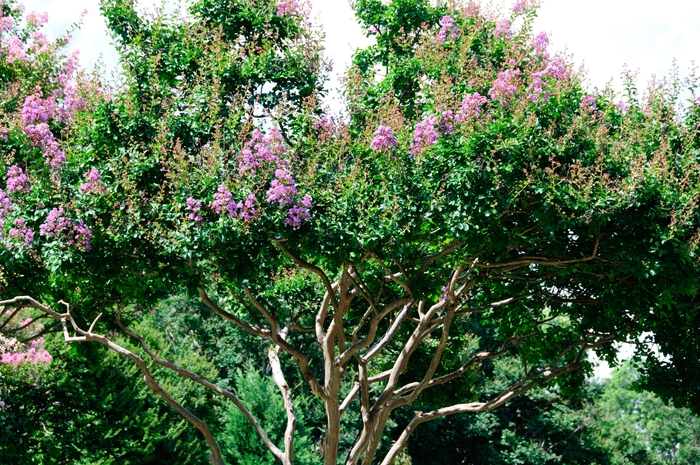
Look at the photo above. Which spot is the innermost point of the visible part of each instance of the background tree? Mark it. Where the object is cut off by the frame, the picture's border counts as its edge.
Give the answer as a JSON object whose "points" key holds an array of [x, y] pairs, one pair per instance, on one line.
{"points": [[488, 207]]}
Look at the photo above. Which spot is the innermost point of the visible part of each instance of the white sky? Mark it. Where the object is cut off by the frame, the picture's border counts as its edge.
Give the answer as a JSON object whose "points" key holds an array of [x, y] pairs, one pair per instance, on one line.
{"points": [[603, 35]]}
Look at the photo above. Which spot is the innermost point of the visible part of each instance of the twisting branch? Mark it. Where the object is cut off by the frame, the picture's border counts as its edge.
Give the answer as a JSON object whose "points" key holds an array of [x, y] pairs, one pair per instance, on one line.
{"points": [[229, 317], [215, 456], [281, 382], [308, 266], [274, 335], [204, 382]]}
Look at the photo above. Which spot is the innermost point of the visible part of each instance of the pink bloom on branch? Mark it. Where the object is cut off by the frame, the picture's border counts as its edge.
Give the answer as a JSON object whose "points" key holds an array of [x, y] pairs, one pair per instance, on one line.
{"points": [[94, 184], [288, 8], [37, 19], [383, 139], [6, 23], [471, 107], [504, 87], [299, 212], [36, 109], [56, 224], [193, 207], [424, 135], [15, 50], [502, 29], [22, 232], [5, 204], [540, 43], [588, 103], [221, 199], [17, 181], [248, 212], [282, 189], [447, 25]]}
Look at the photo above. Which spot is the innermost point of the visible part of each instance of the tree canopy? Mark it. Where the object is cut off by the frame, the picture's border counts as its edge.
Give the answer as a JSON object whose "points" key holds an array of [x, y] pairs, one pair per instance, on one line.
{"points": [[477, 203]]}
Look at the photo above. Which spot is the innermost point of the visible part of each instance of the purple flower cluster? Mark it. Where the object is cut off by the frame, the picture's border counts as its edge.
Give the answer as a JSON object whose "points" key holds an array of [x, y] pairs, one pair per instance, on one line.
{"points": [[262, 150], [37, 19], [36, 109], [288, 8], [471, 107], [194, 207], [299, 212], [15, 50], [35, 354], [540, 44], [537, 89], [5, 205], [424, 135], [446, 123], [502, 29], [36, 112], [6, 23], [504, 87], [94, 184], [74, 233], [622, 107], [520, 6], [282, 189], [383, 139], [447, 27], [588, 103], [17, 181], [20, 232]]}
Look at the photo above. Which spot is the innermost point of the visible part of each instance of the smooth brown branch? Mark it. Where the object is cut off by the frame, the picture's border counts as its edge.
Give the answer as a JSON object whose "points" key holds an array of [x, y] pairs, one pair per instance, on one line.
{"points": [[204, 382], [260, 332], [281, 382]]}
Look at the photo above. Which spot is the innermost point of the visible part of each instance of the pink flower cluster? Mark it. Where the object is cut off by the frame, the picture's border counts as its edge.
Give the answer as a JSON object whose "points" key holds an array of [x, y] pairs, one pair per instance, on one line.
{"points": [[37, 19], [447, 27], [35, 354], [588, 103], [502, 29], [504, 87], [424, 135], [15, 50], [94, 184], [540, 44], [17, 181], [194, 207], [36, 112], [75, 234], [5, 205], [20, 233], [265, 153], [262, 150], [383, 139], [471, 107], [288, 8], [299, 212]]}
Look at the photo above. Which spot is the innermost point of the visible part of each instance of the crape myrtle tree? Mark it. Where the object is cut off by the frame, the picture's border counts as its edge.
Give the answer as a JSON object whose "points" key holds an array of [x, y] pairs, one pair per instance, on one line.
{"points": [[478, 202]]}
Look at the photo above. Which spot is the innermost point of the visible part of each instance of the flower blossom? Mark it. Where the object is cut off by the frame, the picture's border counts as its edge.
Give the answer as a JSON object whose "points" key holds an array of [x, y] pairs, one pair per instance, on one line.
{"points": [[6, 23], [94, 184], [282, 188], [383, 139], [424, 135], [447, 25], [299, 212], [503, 88], [5, 205], [288, 8], [471, 107], [193, 207], [588, 103], [17, 181], [15, 50], [21, 232], [59, 227], [540, 43], [262, 149], [502, 29], [37, 19]]}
